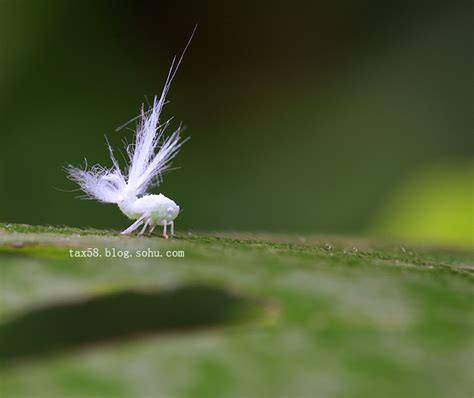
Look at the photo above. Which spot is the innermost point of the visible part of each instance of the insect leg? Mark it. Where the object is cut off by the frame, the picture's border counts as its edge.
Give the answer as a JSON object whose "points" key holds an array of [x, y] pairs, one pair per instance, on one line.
{"points": [[134, 226], [164, 230], [172, 228], [147, 222], [153, 226]]}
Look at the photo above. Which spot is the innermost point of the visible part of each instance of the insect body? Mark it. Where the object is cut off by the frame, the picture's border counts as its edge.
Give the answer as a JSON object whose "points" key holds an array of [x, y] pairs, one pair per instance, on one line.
{"points": [[150, 210], [149, 156]]}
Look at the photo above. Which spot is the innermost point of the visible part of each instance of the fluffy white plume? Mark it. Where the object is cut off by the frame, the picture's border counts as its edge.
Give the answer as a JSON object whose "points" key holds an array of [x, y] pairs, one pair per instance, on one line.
{"points": [[145, 162], [102, 184], [149, 156]]}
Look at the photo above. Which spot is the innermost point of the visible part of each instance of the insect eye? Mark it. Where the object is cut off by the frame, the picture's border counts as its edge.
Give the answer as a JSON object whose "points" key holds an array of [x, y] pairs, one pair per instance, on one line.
{"points": [[169, 210]]}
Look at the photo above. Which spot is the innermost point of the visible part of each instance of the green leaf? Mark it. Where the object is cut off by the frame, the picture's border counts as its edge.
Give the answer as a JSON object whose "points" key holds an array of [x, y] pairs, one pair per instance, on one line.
{"points": [[231, 315]]}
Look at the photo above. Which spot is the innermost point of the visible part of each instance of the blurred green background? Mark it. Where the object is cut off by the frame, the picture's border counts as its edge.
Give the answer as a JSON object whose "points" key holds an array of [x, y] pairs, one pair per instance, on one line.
{"points": [[305, 116]]}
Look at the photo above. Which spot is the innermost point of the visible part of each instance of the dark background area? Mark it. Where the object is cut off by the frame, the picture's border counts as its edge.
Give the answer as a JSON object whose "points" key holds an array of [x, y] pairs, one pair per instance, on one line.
{"points": [[304, 116]]}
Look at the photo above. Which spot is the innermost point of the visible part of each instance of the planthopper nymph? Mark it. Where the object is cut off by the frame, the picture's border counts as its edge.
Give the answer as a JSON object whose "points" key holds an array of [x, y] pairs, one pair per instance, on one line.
{"points": [[148, 157]]}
